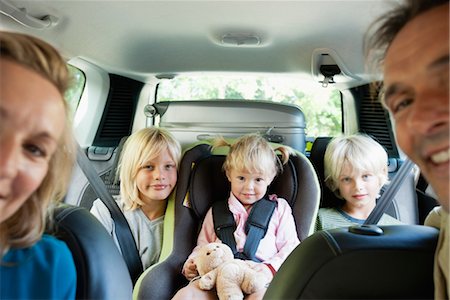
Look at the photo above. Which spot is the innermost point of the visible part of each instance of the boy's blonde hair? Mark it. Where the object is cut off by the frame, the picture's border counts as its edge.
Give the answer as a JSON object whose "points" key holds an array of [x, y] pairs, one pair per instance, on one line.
{"points": [[252, 153], [139, 148], [26, 226], [361, 152]]}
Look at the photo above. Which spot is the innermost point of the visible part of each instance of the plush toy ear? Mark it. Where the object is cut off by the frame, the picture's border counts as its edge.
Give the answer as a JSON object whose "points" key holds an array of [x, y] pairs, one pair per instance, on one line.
{"points": [[199, 262], [228, 252]]}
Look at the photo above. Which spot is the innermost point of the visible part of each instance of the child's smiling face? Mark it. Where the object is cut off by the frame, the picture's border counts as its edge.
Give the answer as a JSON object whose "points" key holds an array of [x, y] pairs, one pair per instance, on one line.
{"points": [[248, 187]]}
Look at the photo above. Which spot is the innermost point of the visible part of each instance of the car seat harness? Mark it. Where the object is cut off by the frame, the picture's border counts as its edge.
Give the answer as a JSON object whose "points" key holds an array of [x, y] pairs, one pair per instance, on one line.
{"points": [[255, 227]]}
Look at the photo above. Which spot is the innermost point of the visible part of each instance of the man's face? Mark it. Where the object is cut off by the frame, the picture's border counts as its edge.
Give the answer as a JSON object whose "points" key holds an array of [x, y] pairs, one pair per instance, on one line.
{"points": [[416, 80]]}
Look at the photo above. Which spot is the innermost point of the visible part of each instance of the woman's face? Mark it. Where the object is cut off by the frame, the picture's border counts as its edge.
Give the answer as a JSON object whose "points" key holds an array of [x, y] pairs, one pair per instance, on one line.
{"points": [[32, 118]]}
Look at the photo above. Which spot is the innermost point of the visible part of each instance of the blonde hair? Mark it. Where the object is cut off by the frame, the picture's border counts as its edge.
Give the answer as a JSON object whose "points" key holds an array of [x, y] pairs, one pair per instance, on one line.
{"points": [[26, 226], [138, 149], [361, 152], [252, 153]]}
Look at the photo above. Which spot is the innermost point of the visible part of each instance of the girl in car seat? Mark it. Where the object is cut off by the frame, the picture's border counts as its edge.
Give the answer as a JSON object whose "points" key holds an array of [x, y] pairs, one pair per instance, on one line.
{"points": [[148, 174], [36, 157], [250, 166], [355, 168]]}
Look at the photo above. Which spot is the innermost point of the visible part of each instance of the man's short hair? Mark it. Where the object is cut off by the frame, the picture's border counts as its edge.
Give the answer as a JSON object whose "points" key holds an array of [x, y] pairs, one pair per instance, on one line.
{"points": [[383, 31]]}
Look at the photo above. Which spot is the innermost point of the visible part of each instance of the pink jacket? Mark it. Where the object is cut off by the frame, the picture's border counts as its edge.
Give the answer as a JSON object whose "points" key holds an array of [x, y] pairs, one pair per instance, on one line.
{"points": [[281, 237]]}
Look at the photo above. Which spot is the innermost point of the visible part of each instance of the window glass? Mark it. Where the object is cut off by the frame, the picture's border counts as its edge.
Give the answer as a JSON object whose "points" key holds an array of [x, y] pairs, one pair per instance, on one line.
{"points": [[73, 94], [321, 106]]}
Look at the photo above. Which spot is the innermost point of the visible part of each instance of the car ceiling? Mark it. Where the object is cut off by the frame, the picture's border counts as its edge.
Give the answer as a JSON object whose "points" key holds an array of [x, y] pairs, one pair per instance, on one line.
{"points": [[143, 38]]}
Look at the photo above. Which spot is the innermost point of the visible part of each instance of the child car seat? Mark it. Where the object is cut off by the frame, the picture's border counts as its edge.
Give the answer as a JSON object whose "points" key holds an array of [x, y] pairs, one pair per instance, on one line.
{"points": [[202, 181]]}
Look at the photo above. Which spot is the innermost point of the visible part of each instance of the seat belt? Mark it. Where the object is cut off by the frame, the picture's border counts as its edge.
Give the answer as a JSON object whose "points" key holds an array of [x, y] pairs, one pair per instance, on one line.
{"points": [[123, 232], [255, 227], [389, 193]]}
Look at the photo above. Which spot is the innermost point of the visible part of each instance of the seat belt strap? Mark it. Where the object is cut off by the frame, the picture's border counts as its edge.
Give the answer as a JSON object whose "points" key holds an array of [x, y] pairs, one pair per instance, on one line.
{"points": [[257, 224], [389, 193], [123, 232], [224, 224]]}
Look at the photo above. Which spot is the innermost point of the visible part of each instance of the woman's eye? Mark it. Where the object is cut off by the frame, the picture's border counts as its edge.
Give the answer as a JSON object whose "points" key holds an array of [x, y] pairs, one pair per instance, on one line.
{"points": [[148, 167], [35, 150], [240, 178], [259, 179]]}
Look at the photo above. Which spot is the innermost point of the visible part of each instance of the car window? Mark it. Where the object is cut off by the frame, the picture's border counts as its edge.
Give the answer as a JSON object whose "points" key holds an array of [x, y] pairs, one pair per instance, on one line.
{"points": [[321, 106], [73, 94]]}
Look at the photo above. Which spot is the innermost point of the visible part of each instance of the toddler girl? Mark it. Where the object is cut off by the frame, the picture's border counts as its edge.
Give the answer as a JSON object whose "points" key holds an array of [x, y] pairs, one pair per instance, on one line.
{"points": [[250, 166]]}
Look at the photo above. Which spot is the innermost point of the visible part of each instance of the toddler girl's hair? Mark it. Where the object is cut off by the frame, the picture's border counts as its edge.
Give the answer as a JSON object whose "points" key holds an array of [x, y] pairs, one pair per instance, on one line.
{"points": [[361, 152], [252, 153], [139, 148]]}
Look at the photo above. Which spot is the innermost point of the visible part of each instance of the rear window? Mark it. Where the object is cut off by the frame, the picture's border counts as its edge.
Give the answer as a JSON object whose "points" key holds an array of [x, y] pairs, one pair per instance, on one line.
{"points": [[322, 106]]}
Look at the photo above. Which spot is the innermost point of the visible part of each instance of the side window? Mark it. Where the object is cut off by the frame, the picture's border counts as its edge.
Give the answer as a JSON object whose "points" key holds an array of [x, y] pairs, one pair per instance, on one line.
{"points": [[322, 106], [73, 94]]}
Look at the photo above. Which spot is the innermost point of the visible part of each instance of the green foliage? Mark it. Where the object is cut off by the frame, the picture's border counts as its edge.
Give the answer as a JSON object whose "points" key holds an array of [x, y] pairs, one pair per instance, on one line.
{"points": [[322, 107]]}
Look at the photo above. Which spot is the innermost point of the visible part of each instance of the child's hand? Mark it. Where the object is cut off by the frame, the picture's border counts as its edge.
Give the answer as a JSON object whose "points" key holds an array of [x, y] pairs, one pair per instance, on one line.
{"points": [[190, 269]]}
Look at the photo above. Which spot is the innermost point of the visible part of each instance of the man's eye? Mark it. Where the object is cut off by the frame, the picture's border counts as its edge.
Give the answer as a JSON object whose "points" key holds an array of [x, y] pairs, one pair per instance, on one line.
{"points": [[401, 104]]}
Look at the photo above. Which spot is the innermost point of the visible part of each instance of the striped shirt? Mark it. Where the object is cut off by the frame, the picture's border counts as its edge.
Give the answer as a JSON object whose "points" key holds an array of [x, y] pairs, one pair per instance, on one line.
{"points": [[329, 218]]}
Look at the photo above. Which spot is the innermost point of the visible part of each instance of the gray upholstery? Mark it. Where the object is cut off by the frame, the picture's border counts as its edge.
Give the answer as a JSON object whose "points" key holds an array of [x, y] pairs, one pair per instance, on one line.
{"points": [[338, 264], [101, 270]]}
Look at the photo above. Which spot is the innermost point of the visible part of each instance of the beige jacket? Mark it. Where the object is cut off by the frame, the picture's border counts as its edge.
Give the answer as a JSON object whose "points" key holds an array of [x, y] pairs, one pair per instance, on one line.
{"points": [[438, 218]]}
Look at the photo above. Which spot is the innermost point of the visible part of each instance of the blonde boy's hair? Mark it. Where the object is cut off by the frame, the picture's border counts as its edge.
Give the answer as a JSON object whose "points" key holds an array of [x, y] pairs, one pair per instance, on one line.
{"points": [[139, 148], [252, 153], [361, 152], [26, 226]]}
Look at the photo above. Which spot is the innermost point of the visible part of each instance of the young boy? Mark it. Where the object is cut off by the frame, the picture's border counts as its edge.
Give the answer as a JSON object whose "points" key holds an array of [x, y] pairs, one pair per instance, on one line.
{"points": [[355, 170]]}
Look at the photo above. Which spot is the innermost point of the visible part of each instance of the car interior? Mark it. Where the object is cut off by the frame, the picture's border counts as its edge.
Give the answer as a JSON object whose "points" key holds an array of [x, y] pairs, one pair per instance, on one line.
{"points": [[138, 64]]}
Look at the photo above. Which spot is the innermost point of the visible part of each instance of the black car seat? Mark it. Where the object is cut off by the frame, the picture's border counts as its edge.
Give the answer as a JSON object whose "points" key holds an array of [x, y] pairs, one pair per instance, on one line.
{"points": [[101, 270], [202, 181], [339, 264]]}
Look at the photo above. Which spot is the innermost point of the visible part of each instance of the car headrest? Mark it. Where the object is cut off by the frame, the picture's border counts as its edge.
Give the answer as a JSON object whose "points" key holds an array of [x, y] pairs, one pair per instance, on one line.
{"points": [[340, 264], [328, 198], [101, 270], [209, 184]]}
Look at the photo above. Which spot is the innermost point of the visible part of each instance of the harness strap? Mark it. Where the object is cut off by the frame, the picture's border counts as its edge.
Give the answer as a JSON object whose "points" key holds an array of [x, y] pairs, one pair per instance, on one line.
{"points": [[255, 227], [257, 224], [224, 224]]}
